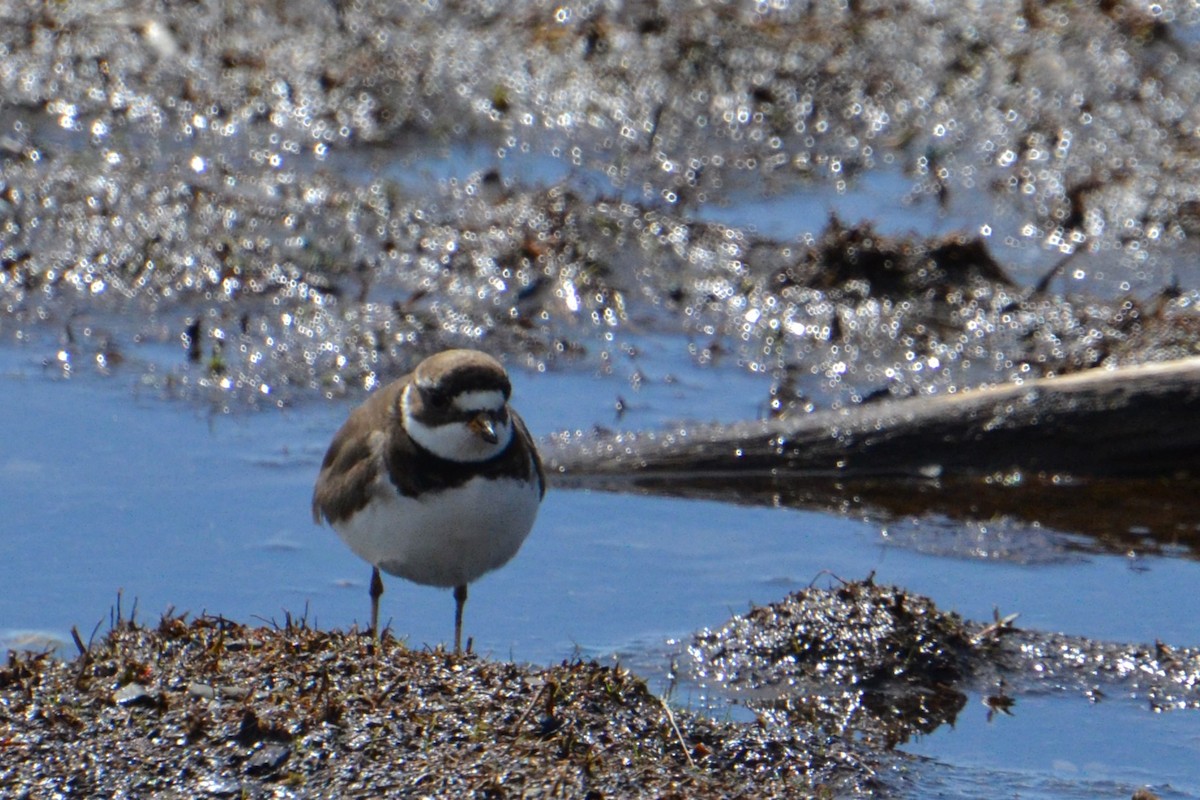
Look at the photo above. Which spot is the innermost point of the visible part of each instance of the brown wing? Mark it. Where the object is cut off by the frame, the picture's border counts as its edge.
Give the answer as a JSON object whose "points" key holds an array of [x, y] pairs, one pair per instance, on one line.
{"points": [[524, 436], [350, 469]]}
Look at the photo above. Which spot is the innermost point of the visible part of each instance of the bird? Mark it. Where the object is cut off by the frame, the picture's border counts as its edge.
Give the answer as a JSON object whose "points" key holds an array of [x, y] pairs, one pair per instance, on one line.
{"points": [[434, 478]]}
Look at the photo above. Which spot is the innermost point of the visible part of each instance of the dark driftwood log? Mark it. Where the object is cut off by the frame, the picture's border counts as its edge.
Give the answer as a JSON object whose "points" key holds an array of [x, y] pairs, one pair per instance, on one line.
{"points": [[1113, 454], [1133, 421]]}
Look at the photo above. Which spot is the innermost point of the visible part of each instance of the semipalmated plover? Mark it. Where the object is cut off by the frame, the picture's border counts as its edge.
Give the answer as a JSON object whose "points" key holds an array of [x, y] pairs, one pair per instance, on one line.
{"points": [[434, 478]]}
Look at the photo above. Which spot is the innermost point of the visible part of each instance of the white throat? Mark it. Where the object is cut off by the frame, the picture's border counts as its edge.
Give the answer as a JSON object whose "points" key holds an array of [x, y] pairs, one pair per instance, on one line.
{"points": [[455, 441]]}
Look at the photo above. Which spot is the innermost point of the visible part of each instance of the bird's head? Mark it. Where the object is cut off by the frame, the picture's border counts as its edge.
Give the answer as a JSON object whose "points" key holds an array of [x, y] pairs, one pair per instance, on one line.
{"points": [[456, 406]]}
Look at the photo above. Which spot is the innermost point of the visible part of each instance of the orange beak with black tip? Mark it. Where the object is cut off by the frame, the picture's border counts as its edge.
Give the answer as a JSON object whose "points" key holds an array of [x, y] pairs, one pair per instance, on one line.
{"points": [[483, 425]]}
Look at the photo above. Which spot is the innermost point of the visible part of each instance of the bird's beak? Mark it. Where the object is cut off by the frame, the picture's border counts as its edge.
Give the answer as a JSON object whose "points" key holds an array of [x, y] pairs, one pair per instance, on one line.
{"points": [[483, 425]]}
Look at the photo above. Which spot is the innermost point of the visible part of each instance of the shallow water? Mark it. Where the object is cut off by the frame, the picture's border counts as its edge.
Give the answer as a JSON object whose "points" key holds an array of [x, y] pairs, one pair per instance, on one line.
{"points": [[110, 489], [1056, 747]]}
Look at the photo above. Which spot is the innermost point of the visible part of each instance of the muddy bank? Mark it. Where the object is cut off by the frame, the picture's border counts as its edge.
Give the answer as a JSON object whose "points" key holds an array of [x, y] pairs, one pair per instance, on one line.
{"points": [[836, 677], [204, 180], [886, 665], [210, 708]]}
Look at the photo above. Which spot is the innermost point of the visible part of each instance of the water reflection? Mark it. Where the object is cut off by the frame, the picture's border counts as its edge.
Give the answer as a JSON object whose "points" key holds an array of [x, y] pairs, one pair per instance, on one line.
{"points": [[1118, 516]]}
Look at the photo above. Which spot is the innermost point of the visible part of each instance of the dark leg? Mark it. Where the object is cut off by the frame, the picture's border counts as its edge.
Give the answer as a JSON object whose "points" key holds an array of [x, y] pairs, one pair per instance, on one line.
{"points": [[460, 599], [376, 593]]}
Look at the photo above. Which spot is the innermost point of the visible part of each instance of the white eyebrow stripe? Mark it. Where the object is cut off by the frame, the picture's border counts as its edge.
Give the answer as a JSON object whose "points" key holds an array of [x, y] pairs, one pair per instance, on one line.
{"points": [[489, 400]]}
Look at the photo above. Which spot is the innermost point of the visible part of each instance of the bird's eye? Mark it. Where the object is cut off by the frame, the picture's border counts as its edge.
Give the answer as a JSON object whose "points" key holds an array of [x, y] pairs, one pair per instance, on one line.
{"points": [[439, 399]]}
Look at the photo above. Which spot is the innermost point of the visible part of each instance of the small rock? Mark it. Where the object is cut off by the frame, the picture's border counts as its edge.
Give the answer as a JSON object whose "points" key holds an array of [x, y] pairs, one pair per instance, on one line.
{"points": [[268, 758], [134, 693], [219, 787], [208, 692]]}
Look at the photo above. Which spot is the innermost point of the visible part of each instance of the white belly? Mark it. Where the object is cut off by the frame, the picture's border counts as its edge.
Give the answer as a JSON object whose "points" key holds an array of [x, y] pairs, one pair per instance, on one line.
{"points": [[447, 538]]}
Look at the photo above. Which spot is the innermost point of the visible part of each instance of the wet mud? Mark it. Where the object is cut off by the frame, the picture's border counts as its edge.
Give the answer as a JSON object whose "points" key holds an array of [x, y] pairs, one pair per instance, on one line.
{"points": [[210, 708], [837, 677], [878, 663], [192, 176]]}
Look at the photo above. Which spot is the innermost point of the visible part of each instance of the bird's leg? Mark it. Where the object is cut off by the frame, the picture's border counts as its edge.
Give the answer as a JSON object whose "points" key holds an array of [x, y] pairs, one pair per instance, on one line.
{"points": [[460, 599], [376, 593]]}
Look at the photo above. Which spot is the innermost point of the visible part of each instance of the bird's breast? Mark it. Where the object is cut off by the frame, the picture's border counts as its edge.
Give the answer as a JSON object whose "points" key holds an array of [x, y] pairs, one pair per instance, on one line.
{"points": [[448, 537]]}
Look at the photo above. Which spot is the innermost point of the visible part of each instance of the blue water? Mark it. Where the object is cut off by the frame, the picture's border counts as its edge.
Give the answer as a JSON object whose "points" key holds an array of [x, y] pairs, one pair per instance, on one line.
{"points": [[110, 488], [1061, 747]]}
